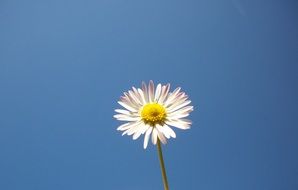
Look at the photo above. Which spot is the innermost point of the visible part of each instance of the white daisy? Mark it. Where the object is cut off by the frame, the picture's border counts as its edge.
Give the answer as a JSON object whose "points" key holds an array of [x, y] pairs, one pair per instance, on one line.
{"points": [[151, 111]]}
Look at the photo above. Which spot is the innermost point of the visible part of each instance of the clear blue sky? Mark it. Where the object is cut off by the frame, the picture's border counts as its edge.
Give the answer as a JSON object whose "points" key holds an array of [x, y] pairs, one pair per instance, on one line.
{"points": [[64, 64]]}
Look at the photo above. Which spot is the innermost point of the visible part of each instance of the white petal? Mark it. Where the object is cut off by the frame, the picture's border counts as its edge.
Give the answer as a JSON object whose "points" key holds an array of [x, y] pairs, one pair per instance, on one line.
{"points": [[178, 99], [125, 112], [145, 128], [177, 90], [181, 105], [136, 135], [122, 117], [172, 96], [133, 129], [177, 116], [145, 91], [142, 96], [169, 131], [161, 137], [141, 130], [128, 126], [182, 121], [125, 126], [151, 91], [125, 105], [154, 136], [187, 121], [178, 124], [134, 97], [161, 128], [182, 111], [136, 93], [164, 93], [129, 100], [157, 92], [119, 115], [175, 104], [146, 138]]}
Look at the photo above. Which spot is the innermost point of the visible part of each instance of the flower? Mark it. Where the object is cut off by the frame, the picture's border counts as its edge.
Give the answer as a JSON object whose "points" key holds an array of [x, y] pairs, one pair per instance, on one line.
{"points": [[151, 111]]}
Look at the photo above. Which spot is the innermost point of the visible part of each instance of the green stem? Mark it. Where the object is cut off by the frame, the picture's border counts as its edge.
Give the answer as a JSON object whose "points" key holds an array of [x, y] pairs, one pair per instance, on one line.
{"points": [[162, 166]]}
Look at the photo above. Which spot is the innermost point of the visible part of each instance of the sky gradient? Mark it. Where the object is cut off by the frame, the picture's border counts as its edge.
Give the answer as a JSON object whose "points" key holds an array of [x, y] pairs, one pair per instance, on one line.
{"points": [[64, 64]]}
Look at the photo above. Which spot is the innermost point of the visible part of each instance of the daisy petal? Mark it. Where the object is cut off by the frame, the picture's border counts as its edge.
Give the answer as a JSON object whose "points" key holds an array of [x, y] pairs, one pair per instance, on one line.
{"points": [[151, 91], [124, 126], [154, 136], [172, 96], [132, 129], [169, 131], [125, 105], [140, 131], [142, 96], [187, 121], [177, 116], [161, 137], [146, 138], [184, 110], [178, 124], [157, 93], [134, 97], [129, 100], [145, 91], [161, 129], [122, 117], [164, 93], [181, 105], [125, 112], [178, 99], [136, 92]]}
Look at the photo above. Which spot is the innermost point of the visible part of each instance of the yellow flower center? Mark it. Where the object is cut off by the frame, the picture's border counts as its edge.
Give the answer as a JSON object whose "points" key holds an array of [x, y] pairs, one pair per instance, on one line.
{"points": [[153, 114]]}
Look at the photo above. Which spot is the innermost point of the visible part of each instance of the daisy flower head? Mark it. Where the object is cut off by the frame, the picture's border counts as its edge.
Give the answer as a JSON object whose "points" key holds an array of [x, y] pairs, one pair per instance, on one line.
{"points": [[153, 111]]}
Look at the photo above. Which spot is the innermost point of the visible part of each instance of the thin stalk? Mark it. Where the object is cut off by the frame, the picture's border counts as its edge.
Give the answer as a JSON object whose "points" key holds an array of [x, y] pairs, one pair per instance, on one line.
{"points": [[162, 166]]}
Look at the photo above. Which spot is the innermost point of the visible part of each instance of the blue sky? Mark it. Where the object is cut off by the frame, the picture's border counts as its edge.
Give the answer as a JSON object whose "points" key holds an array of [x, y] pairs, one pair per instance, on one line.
{"points": [[64, 65]]}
